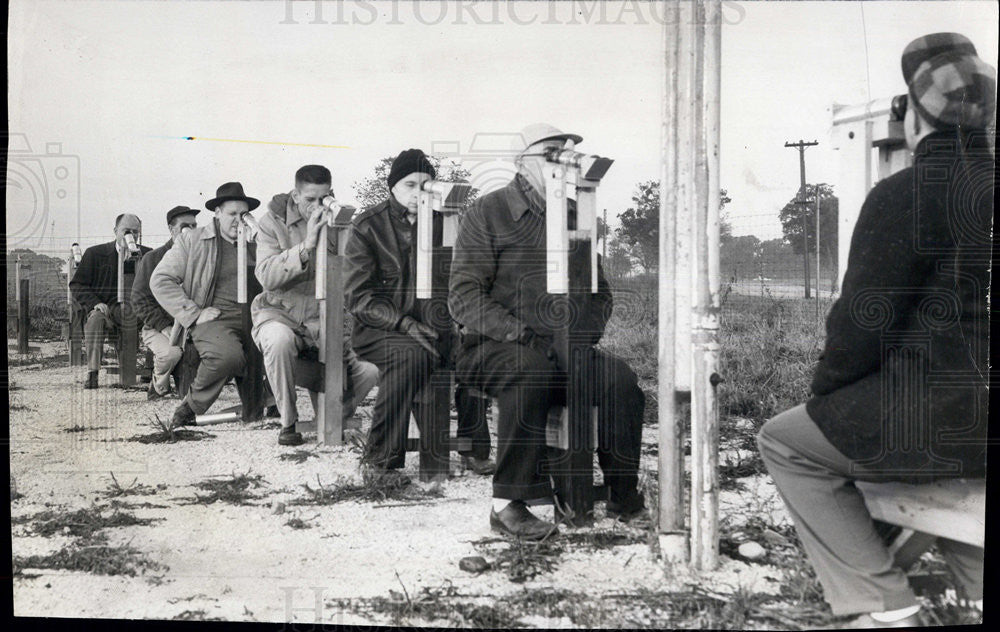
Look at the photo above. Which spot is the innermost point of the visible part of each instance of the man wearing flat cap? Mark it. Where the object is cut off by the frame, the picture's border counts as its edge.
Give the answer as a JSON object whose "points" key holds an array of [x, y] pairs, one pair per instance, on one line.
{"points": [[196, 283], [286, 314], [157, 323], [95, 287], [498, 295], [401, 335], [900, 391]]}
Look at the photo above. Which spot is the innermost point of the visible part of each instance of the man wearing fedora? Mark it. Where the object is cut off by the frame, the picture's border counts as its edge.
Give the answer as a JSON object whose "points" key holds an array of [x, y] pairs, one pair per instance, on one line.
{"points": [[95, 287], [498, 295], [157, 323], [900, 390], [196, 283], [395, 331], [286, 313]]}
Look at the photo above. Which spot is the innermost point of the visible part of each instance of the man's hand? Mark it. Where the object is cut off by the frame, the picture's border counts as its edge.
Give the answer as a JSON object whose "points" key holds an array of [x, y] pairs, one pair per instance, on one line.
{"points": [[313, 226], [541, 344], [101, 307], [207, 314], [421, 333]]}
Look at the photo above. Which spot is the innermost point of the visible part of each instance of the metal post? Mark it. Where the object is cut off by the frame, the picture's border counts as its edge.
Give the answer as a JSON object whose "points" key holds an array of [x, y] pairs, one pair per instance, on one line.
{"points": [[817, 256], [670, 466], [75, 341], [128, 336]]}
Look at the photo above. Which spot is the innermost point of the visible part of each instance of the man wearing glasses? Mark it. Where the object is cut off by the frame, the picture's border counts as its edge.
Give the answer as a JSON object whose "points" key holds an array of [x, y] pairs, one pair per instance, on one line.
{"points": [[95, 288], [196, 282], [157, 323]]}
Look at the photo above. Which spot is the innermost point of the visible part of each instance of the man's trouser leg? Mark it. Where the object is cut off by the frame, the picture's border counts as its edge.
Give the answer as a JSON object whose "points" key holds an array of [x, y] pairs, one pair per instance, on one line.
{"points": [[522, 380], [279, 345], [165, 356], [620, 404], [966, 561], [404, 368], [817, 483], [220, 346], [364, 377], [473, 434], [93, 334]]}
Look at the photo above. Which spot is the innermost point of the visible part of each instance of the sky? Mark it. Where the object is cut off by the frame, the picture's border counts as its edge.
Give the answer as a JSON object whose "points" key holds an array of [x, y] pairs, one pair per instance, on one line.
{"points": [[103, 95]]}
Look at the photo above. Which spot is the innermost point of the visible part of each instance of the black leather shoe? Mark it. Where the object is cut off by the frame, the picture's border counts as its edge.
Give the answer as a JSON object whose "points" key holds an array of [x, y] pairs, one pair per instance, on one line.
{"points": [[289, 436], [183, 416], [483, 467], [91, 382], [516, 520], [627, 512]]}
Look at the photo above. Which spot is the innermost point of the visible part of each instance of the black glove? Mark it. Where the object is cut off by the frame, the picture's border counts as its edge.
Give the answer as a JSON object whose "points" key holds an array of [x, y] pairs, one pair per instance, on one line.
{"points": [[541, 344], [421, 333]]}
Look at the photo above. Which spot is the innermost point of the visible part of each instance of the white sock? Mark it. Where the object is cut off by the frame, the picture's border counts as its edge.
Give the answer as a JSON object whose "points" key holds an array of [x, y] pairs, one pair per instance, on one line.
{"points": [[895, 615], [499, 504]]}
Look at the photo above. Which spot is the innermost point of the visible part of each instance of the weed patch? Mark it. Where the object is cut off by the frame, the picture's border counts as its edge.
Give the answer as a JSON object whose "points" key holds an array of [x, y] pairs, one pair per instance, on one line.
{"points": [[370, 489], [234, 490], [164, 433], [99, 559], [298, 456], [115, 489], [83, 523]]}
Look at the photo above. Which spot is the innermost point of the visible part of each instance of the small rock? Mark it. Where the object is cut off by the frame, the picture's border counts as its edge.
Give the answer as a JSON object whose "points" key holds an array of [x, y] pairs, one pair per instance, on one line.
{"points": [[751, 551], [277, 507], [474, 564]]}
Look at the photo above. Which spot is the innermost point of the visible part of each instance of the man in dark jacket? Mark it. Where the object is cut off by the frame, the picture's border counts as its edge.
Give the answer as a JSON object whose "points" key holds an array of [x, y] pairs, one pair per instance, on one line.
{"points": [[498, 295], [901, 388], [95, 288], [157, 323], [406, 338]]}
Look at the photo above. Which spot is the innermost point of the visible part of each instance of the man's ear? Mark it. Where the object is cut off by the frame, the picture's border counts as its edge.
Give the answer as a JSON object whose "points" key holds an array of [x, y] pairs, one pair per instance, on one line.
{"points": [[296, 195]]}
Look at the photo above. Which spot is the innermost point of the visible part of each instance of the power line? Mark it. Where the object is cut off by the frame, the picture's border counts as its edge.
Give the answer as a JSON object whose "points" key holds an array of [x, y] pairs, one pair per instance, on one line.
{"points": [[801, 146]]}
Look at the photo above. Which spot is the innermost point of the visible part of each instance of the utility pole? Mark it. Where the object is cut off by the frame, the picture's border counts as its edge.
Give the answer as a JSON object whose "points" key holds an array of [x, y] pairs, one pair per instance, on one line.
{"points": [[817, 257], [801, 146], [604, 242]]}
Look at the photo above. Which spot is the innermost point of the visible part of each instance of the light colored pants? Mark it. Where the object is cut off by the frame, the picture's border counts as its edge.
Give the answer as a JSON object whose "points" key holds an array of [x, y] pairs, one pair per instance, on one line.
{"points": [[279, 346], [831, 518], [165, 356]]}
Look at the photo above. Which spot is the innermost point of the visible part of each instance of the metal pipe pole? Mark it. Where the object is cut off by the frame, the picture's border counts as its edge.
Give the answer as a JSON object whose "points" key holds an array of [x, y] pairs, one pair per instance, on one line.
{"points": [[670, 466], [817, 256]]}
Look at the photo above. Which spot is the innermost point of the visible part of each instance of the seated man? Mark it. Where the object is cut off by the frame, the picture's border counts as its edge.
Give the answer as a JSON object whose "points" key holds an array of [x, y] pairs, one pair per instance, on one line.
{"points": [[196, 283], [95, 288], [498, 295], [391, 326], [912, 312], [157, 323], [286, 314]]}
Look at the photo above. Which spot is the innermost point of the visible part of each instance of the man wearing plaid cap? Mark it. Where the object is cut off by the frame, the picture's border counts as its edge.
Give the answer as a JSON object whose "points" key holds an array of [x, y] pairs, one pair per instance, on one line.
{"points": [[913, 309]]}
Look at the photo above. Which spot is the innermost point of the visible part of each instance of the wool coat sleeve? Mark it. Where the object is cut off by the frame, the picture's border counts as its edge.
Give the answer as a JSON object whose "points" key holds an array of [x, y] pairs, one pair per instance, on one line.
{"points": [[167, 283], [883, 269], [366, 298], [143, 302], [473, 271]]}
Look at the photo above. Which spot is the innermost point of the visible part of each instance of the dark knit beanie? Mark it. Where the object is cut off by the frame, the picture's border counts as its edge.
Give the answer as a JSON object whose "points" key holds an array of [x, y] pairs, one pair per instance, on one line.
{"points": [[409, 161]]}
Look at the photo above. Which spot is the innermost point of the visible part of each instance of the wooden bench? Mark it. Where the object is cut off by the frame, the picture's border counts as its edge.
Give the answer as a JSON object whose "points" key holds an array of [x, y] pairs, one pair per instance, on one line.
{"points": [[952, 508]]}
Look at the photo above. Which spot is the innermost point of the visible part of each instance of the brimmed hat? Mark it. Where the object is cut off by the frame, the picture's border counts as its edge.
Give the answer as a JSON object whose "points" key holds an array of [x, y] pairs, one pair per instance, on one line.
{"points": [[180, 210], [409, 161], [948, 84], [537, 132], [231, 191]]}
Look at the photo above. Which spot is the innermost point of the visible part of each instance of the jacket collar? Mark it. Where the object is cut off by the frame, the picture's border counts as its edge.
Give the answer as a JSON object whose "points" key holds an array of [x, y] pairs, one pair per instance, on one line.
{"points": [[292, 214], [208, 231], [517, 200]]}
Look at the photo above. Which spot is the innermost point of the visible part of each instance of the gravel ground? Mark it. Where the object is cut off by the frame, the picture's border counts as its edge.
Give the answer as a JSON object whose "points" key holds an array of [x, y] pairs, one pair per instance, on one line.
{"points": [[244, 562]]}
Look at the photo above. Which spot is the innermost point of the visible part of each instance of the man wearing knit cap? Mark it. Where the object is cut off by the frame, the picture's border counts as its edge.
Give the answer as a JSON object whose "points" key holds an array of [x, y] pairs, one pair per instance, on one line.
{"points": [[157, 323], [286, 315], [918, 272], [403, 336], [498, 295]]}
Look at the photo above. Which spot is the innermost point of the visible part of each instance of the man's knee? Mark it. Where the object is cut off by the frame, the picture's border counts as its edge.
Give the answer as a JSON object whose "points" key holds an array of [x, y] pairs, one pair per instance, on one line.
{"points": [[365, 376], [529, 366], [228, 360], [173, 355], [96, 321], [277, 338]]}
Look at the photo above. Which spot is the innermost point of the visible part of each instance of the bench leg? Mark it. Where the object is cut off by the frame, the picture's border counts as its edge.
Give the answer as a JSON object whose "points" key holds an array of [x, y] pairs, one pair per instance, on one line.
{"points": [[128, 349]]}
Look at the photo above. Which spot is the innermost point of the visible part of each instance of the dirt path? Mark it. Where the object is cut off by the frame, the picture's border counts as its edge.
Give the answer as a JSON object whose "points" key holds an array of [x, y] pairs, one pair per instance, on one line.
{"points": [[249, 561]]}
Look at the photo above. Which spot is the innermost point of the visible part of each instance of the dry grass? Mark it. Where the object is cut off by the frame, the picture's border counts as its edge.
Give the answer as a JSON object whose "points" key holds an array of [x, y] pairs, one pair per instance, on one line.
{"points": [[98, 559], [83, 523], [164, 433], [234, 490]]}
